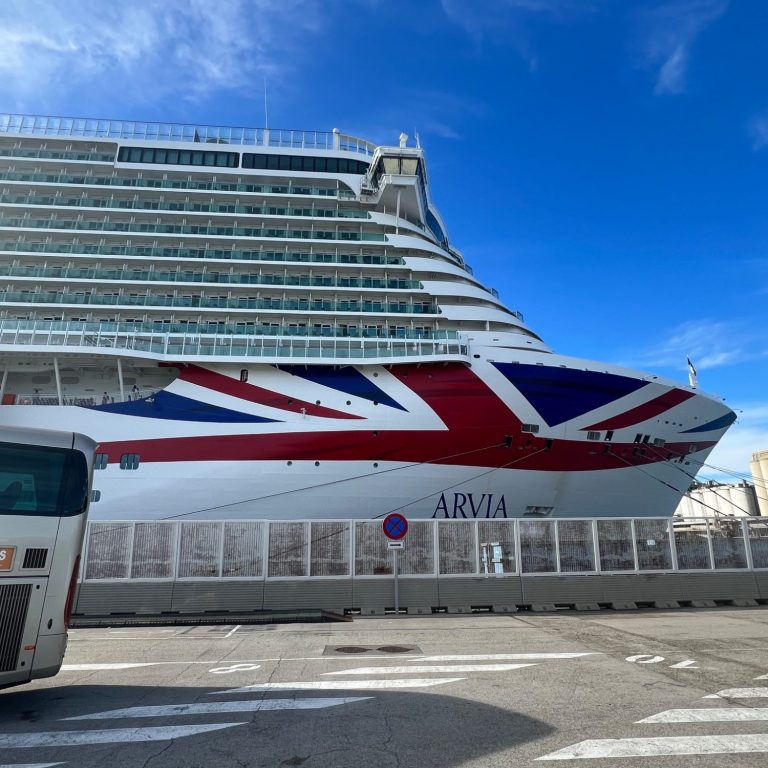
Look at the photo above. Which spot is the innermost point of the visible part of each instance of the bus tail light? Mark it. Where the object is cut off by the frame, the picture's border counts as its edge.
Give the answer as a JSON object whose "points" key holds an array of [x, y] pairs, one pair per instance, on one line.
{"points": [[71, 594]]}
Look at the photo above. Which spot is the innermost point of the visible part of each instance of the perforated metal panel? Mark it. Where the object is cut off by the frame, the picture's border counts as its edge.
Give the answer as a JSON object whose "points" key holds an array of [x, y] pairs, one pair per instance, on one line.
{"points": [[109, 551], [537, 546], [577, 548], [652, 543], [243, 549], [199, 550], [496, 539], [329, 549], [614, 539], [154, 546], [288, 549], [456, 547]]}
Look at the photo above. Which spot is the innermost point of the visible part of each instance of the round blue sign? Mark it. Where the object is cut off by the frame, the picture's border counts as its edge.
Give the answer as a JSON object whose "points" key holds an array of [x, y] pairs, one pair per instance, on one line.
{"points": [[395, 526]]}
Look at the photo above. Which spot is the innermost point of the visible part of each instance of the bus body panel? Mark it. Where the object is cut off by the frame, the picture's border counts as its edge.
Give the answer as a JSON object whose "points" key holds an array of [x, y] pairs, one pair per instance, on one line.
{"points": [[42, 546]]}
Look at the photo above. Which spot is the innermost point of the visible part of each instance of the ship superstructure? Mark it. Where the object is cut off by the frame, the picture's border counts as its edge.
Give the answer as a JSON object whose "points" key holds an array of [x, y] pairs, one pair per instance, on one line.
{"points": [[266, 323]]}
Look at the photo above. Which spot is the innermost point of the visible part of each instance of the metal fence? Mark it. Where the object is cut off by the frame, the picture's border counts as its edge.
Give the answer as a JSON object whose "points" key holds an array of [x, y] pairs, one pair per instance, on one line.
{"points": [[346, 549]]}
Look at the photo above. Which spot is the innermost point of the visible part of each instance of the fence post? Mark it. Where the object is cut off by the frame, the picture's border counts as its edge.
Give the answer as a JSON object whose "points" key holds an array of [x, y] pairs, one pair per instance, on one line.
{"points": [[710, 545], [747, 545], [672, 544]]}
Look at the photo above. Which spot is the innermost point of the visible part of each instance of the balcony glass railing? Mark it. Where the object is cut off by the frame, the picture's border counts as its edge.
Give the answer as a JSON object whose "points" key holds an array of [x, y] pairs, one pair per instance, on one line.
{"points": [[58, 154], [214, 302], [78, 127], [217, 278], [109, 225], [180, 346], [183, 206], [22, 328], [175, 184], [228, 254]]}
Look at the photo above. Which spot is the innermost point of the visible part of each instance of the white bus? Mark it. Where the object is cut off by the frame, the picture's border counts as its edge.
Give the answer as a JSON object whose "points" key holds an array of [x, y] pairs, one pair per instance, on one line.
{"points": [[45, 481]]}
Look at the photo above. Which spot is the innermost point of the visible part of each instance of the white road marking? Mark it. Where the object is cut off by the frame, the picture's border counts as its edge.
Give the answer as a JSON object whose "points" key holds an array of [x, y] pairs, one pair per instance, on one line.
{"points": [[656, 747], [253, 705], [110, 736], [645, 658], [428, 669], [762, 677], [506, 656], [235, 668], [344, 685], [733, 715], [30, 765], [101, 667], [739, 693], [232, 631], [687, 664]]}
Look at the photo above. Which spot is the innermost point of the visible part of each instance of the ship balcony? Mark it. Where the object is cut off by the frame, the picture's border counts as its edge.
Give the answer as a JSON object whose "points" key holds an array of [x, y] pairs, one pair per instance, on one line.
{"points": [[170, 347], [109, 225], [183, 205], [214, 302], [88, 179], [117, 130], [189, 277]]}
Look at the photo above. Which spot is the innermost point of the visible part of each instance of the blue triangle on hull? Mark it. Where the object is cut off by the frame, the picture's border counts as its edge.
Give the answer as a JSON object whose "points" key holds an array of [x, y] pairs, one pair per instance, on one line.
{"points": [[166, 405], [562, 394], [346, 379]]}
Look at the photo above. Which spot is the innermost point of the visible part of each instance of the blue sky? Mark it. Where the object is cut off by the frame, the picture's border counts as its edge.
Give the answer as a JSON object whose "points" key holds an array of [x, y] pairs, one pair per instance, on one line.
{"points": [[602, 163]]}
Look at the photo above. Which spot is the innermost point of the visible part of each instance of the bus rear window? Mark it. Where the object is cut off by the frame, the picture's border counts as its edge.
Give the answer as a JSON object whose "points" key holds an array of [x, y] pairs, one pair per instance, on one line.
{"points": [[44, 481]]}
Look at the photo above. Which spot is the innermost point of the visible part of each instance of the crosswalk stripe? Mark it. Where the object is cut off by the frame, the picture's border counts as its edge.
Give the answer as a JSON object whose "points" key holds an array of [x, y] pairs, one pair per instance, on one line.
{"points": [[506, 657], [110, 736], [428, 669], [253, 705], [344, 685], [733, 715], [656, 747], [740, 693]]}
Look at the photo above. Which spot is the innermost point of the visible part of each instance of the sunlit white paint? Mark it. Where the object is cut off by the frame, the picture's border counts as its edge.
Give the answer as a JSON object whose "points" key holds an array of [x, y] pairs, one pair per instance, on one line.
{"points": [[429, 668], [645, 658], [657, 747], [506, 656], [733, 715], [687, 664], [344, 685], [235, 668], [232, 631], [102, 667], [740, 693], [254, 705], [110, 736], [30, 765]]}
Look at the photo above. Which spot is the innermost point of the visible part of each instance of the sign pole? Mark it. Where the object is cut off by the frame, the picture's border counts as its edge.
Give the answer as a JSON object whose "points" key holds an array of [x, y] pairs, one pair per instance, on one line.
{"points": [[395, 528], [397, 591]]}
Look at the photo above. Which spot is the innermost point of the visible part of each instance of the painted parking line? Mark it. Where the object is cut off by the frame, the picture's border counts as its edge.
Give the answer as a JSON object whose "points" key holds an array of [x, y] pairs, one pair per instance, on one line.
{"points": [[507, 656], [220, 707], [658, 747], [344, 685], [732, 715], [429, 669], [30, 765], [102, 667], [739, 693], [110, 736]]}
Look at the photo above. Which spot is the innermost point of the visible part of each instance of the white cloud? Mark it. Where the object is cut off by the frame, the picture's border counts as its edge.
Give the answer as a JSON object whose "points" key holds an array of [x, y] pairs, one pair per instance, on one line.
{"points": [[709, 344], [668, 34], [758, 131], [733, 453], [146, 48]]}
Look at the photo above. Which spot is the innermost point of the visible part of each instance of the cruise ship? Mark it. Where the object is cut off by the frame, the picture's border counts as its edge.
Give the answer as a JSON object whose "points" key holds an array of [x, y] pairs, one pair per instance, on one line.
{"points": [[262, 323]]}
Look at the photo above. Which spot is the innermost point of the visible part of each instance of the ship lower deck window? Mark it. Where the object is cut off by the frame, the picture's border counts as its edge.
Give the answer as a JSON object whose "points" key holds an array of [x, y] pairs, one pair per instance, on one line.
{"points": [[593, 435], [178, 157], [100, 461], [300, 163], [532, 428], [129, 461]]}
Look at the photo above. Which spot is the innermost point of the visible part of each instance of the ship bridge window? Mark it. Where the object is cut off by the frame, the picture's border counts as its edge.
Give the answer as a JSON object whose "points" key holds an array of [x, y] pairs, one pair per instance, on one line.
{"points": [[178, 157], [593, 435], [302, 163]]}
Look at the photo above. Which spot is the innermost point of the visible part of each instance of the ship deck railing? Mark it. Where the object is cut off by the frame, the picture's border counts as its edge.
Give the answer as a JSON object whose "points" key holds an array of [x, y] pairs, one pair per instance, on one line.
{"points": [[117, 130], [168, 346]]}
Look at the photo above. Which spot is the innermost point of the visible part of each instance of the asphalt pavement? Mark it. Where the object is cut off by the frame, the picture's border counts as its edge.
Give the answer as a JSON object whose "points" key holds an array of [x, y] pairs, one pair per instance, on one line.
{"points": [[684, 689]]}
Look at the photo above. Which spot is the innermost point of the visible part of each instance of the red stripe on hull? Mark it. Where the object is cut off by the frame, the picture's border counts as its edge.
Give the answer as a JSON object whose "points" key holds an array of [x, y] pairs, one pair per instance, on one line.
{"points": [[477, 424], [218, 382], [645, 411]]}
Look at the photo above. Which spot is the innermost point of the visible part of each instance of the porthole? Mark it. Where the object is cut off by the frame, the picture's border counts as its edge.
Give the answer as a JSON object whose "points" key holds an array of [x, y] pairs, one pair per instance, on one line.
{"points": [[375, 375], [317, 463], [290, 463], [349, 402], [375, 464]]}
